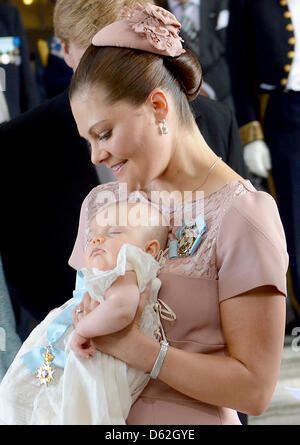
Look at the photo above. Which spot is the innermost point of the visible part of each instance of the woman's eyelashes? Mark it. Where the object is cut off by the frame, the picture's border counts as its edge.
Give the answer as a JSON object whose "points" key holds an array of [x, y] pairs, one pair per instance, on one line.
{"points": [[109, 232], [104, 136]]}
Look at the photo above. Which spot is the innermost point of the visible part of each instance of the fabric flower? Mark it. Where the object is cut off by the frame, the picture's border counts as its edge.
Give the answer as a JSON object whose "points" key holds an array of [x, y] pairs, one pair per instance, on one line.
{"points": [[158, 26], [163, 15]]}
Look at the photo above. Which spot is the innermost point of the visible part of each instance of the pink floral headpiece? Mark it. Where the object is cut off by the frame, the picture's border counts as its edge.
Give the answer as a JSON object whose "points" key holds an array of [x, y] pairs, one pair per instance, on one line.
{"points": [[152, 29]]}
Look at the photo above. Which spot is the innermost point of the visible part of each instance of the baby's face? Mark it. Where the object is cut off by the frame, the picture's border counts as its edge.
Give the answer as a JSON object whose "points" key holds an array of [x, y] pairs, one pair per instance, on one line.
{"points": [[105, 241]]}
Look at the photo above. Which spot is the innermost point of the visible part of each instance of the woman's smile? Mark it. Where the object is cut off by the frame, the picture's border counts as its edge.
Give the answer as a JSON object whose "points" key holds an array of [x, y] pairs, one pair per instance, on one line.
{"points": [[118, 167]]}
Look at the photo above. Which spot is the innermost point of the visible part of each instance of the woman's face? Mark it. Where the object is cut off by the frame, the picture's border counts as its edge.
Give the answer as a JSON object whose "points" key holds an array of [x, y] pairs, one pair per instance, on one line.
{"points": [[126, 138]]}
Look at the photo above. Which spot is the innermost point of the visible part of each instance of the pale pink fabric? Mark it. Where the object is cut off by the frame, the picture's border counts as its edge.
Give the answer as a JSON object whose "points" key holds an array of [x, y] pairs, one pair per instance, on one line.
{"points": [[244, 247], [152, 29]]}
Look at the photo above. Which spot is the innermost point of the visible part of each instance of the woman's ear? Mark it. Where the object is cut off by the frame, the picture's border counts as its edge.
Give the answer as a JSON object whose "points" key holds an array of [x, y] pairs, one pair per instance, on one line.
{"points": [[159, 104], [152, 247], [66, 52]]}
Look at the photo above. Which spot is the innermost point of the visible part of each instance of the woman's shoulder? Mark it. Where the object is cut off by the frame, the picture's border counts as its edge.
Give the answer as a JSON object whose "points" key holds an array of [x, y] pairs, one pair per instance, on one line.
{"points": [[240, 204], [217, 204], [241, 195], [251, 204], [252, 214]]}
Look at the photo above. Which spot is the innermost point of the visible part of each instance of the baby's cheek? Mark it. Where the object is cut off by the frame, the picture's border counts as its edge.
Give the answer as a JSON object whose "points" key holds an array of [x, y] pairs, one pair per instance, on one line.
{"points": [[87, 253]]}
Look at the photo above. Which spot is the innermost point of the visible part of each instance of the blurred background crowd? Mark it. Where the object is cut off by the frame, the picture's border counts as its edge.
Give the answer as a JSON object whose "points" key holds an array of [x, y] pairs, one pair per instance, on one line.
{"points": [[250, 57]]}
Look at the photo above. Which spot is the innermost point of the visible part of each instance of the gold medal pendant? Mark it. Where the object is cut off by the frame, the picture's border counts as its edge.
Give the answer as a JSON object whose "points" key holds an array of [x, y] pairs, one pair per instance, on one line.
{"points": [[45, 372], [189, 236], [187, 239]]}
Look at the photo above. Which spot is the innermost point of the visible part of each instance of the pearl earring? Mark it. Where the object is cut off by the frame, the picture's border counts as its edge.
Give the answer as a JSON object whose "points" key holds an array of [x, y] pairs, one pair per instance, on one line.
{"points": [[163, 127]]}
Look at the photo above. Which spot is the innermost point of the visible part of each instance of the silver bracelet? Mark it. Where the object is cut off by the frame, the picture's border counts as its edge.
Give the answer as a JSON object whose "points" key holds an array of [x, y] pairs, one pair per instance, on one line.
{"points": [[160, 359]]}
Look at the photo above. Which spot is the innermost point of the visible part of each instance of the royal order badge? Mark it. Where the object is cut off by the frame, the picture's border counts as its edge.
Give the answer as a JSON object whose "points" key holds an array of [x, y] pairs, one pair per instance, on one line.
{"points": [[45, 372], [188, 236]]}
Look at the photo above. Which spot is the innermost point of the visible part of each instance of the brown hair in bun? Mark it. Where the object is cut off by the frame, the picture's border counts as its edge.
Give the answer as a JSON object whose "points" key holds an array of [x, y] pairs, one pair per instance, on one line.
{"points": [[130, 74]]}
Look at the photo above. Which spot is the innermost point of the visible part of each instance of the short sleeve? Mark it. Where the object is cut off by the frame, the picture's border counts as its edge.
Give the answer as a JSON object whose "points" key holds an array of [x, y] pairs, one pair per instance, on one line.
{"points": [[251, 246]]}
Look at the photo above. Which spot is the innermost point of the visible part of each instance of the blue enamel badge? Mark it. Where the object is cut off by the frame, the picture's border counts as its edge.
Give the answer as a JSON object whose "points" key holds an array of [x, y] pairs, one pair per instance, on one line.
{"points": [[188, 236]]}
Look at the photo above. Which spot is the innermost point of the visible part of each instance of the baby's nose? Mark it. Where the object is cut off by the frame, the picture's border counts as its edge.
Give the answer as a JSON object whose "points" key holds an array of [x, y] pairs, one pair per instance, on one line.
{"points": [[98, 240]]}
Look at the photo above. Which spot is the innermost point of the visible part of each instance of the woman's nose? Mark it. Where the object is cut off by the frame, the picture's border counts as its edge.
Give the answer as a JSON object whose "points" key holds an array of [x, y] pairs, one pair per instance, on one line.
{"points": [[97, 155]]}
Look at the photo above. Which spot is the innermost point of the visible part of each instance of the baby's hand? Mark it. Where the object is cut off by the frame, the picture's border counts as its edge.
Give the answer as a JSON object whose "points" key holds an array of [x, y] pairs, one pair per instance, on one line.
{"points": [[82, 346]]}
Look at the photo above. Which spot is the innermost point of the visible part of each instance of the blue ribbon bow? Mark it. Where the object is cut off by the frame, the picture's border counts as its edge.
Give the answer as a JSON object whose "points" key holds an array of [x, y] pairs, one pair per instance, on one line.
{"points": [[56, 329]]}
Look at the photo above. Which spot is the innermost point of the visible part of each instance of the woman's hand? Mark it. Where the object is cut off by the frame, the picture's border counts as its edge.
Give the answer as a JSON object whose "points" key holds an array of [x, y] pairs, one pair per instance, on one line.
{"points": [[86, 305]]}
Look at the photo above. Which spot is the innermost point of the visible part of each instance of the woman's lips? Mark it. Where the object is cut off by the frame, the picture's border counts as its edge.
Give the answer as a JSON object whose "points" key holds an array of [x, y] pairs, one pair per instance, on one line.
{"points": [[119, 169]]}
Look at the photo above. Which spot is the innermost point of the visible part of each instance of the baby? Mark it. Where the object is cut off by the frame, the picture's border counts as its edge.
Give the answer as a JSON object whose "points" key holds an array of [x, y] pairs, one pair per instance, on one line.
{"points": [[79, 384], [105, 242]]}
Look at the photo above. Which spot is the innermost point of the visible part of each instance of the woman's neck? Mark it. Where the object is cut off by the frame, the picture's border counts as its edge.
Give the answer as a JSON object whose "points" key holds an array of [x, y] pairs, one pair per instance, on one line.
{"points": [[189, 168], [189, 164]]}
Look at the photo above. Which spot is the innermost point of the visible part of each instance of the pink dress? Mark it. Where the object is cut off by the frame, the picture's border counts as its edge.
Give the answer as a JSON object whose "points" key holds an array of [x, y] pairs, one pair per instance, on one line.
{"points": [[243, 248]]}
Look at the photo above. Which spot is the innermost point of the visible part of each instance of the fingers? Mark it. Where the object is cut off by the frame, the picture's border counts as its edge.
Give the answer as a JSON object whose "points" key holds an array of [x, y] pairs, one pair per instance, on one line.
{"points": [[82, 347], [86, 352], [86, 306]]}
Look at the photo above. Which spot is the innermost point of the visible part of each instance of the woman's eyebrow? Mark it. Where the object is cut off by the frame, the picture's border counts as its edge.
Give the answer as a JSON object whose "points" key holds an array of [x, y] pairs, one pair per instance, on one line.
{"points": [[92, 128]]}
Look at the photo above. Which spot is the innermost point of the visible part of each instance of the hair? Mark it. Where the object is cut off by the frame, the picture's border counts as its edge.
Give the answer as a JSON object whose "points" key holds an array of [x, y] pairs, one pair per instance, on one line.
{"points": [[78, 21], [131, 75], [157, 228]]}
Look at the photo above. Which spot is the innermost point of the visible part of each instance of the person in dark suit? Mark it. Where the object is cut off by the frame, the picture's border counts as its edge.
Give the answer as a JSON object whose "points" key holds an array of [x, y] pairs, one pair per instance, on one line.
{"points": [[18, 93], [53, 75], [218, 126], [264, 62], [208, 19], [20, 90], [48, 173]]}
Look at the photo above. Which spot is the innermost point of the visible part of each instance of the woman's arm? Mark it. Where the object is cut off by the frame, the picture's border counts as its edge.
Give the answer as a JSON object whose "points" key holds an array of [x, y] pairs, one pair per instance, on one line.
{"points": [[116, 312], [253, 326]]}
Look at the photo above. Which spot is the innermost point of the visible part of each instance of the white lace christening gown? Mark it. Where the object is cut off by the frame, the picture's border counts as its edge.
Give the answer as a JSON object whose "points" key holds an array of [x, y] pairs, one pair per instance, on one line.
{"points": [[97, 391]]}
